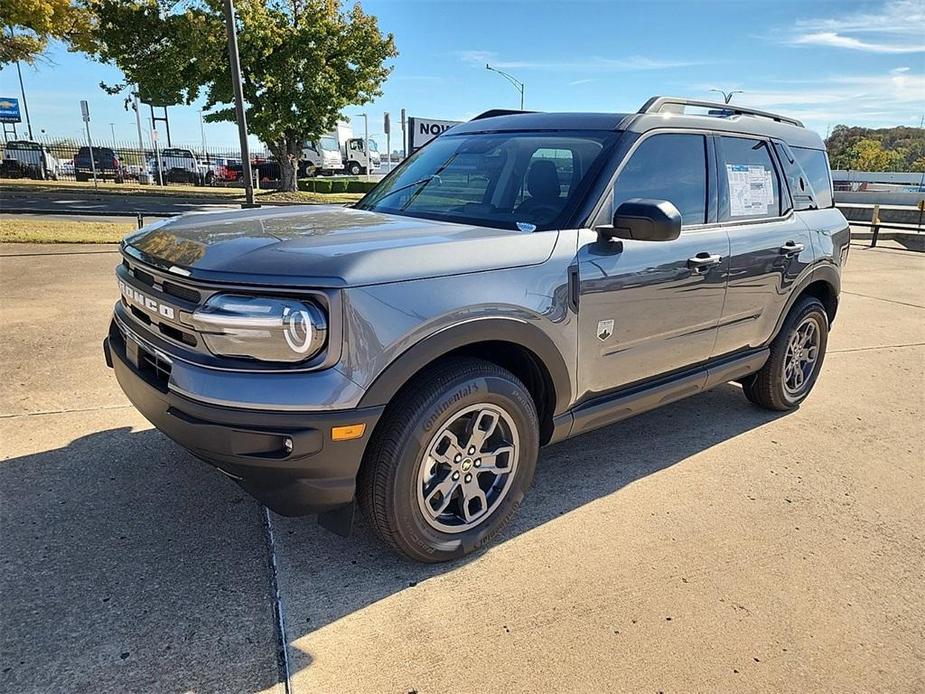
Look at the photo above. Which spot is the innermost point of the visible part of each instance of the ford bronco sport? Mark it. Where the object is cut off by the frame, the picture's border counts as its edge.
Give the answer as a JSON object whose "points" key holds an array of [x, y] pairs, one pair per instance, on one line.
{"points": [[524, 278]]}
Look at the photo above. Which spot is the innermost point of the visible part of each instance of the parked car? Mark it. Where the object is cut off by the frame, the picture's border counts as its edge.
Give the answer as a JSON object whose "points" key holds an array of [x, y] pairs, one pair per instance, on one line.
{"points": [[522, 279], [182, 166], [28, 159], [108, 164]]}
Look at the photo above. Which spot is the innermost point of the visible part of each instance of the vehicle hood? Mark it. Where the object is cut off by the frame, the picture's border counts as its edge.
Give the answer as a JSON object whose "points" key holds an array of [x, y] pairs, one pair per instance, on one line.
{"points": [[324, 245]]}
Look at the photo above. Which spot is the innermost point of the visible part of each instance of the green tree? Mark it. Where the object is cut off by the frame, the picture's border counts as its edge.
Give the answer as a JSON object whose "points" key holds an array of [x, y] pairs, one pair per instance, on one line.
{"points": [[884, 149], [302, 62], [28, 25]]}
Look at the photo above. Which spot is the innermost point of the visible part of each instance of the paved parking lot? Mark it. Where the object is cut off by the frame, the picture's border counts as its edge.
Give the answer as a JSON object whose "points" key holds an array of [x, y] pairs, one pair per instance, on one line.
{"points": [[707, 546]]}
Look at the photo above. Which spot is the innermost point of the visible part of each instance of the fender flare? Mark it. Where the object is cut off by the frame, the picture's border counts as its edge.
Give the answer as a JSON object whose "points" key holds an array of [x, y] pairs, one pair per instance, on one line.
{"points": [[517, 332], [824, 273]]}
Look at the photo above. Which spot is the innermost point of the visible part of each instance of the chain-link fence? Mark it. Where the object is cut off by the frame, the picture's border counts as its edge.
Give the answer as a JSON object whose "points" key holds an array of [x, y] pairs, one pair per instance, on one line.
{"points": [[122, 161]]}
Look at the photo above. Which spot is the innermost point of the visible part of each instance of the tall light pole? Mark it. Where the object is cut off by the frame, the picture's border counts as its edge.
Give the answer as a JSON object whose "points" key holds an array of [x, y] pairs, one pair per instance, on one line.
{"points": [[112, 129], [727, 96], [235, 61], [518, 85]]}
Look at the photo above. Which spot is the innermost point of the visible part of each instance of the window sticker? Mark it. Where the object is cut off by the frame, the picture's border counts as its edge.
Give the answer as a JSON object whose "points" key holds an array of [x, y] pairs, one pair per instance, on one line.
{"points": [[751, 191]]}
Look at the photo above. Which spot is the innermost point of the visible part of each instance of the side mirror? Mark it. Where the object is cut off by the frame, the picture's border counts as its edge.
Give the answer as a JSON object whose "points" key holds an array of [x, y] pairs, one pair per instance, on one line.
{"points": [[641, 219]]}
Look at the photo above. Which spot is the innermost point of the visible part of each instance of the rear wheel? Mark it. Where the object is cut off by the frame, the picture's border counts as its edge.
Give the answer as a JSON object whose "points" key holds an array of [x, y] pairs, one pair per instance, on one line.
{"points": [[450, 462], [796, 358]]}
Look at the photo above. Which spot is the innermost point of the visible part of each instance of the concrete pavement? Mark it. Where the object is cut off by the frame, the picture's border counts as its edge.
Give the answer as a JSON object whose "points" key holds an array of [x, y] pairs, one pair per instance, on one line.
{"points": [[707, 546]]}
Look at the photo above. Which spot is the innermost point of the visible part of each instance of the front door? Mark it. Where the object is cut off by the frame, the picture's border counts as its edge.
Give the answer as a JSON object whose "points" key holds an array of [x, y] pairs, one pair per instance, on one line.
{"points": [[648, 308]]}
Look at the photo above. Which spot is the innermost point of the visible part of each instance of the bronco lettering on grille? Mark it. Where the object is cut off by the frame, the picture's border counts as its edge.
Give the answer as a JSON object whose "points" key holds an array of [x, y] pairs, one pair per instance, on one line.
{"points": [[133, 295]]}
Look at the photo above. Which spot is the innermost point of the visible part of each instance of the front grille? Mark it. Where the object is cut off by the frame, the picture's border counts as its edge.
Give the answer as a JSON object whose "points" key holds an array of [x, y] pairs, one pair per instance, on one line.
{"points": [[144, 277], [181, 292], [153, 368]]}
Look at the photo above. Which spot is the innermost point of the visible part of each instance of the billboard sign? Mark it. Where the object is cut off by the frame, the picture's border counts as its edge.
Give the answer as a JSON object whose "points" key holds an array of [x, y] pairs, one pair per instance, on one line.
{"points": [[423, 130], [9, 110]]}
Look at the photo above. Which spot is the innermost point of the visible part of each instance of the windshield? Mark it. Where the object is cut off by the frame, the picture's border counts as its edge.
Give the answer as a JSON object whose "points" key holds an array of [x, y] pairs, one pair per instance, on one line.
{"points": [[525, 180], [328, 143], [373, 147]]}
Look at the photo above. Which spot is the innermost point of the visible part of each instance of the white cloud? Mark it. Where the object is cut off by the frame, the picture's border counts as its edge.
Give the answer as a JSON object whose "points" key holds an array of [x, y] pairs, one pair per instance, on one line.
{"points": [[575, 83], [898, 27], [833, 40], [479, 58], [892, 98]]}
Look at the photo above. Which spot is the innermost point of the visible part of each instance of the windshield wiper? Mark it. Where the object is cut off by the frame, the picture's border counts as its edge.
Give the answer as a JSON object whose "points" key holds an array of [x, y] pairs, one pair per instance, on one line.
{"points": [[422, 181]]}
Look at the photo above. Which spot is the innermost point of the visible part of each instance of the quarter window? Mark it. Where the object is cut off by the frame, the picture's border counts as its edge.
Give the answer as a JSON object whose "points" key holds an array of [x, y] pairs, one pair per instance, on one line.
{"points": [[816, 165], [669, 167], [749, 180]]}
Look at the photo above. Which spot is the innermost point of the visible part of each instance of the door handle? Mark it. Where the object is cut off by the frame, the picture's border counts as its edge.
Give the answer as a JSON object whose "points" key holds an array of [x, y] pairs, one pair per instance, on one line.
{"points": [[791, 248], [703, 261]]}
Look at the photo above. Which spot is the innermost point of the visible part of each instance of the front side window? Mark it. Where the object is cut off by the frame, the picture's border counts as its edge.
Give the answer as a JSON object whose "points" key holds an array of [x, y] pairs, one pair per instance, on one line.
{"points": [[670, 167], [748, 180], [816, 165], [524, 180]]}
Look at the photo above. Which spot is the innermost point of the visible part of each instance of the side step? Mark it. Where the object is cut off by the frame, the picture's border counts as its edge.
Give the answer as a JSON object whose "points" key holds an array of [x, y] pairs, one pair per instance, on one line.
{"points": [[621, 405]]}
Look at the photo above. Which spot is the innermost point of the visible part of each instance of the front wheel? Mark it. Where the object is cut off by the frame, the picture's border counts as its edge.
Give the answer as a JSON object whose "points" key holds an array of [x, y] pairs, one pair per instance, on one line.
{"points": [[796, 358], [450, 461], [354, 168]]}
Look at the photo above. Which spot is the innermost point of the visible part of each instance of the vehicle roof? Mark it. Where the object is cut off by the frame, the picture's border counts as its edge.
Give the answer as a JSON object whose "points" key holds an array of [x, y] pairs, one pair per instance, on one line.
{"points": [[795, 135]]}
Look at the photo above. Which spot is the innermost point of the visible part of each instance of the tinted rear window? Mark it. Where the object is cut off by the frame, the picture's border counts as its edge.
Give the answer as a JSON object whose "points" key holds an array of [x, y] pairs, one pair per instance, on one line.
{"points": [[816, 166]]}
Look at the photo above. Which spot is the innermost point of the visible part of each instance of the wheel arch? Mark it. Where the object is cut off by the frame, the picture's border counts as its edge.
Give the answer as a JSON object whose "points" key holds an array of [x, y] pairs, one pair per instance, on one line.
{"points": [[823, 283], [521, 348]]}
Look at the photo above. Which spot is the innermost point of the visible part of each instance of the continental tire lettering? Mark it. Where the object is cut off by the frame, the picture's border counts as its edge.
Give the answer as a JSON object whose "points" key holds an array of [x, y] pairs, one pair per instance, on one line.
{"points": [[448, 403]]}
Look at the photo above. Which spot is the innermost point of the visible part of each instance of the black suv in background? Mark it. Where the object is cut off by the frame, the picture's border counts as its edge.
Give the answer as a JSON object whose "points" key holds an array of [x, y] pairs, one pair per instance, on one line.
{"points": [[108, 164]]}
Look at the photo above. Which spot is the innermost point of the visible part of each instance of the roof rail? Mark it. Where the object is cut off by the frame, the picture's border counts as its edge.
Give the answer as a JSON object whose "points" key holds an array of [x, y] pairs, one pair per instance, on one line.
{"points": [[657, 104], [491, 113]]}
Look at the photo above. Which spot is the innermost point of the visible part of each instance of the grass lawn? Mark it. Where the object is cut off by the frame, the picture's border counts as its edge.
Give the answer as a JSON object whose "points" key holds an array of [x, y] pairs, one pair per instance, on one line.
{"points": [[63, 231]]}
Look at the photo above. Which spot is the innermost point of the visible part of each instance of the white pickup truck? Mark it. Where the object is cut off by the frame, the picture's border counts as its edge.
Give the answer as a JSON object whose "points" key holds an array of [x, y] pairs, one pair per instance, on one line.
{"points": [[182, 166]]}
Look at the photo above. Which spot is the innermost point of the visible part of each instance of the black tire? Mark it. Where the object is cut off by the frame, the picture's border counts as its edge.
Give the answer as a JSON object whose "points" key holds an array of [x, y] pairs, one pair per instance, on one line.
{"points": [[354, 168], [389, 481], [81, 177], [769, 388]]}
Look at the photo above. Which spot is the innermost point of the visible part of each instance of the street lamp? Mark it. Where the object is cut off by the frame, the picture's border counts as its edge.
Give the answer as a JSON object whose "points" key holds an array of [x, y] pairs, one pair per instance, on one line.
{"points": [[727, 96], [518, 85]]}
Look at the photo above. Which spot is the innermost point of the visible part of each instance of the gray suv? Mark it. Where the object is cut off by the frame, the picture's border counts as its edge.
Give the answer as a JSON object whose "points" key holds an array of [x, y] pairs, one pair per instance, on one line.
{"points": [[524, 278]]}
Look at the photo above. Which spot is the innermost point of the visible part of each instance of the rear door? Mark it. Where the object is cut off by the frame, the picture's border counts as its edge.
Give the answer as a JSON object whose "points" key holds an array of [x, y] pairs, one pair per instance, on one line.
{"points": [[648, 308], [770, 247]]}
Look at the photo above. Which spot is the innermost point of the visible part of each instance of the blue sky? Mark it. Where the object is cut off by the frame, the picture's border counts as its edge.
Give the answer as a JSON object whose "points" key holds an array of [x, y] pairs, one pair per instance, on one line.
{"points": [[860, 63]]}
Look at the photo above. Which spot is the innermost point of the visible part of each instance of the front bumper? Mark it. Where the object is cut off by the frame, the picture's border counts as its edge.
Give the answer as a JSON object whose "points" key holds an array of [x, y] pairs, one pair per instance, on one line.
{"points": [[317, 476]]}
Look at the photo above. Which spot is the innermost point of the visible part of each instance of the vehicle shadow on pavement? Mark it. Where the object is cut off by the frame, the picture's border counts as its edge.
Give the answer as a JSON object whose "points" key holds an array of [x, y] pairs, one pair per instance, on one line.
{"points": [[325, 577], [129, 566]]}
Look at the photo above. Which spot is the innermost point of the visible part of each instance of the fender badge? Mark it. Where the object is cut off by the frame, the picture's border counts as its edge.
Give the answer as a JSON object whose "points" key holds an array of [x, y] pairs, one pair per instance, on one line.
{"points": [[604, 329]]}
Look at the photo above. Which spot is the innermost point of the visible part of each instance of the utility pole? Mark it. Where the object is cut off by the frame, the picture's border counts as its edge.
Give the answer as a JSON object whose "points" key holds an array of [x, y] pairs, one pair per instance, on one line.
{"points": [[112, 129], [235, 61], [22, 90], [85, 112], [387, 123], [202, 132], [518, 85], [727, 96], [404, 136]]}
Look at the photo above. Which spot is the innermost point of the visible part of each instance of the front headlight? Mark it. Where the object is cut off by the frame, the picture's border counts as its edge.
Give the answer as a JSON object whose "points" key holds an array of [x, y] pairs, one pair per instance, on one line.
{"points": [[261, 328]]}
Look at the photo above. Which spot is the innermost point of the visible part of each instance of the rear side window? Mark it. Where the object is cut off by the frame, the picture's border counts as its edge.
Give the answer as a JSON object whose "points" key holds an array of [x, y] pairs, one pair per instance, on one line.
{"points": [[669, 167], [749, 186], [816, 165]]}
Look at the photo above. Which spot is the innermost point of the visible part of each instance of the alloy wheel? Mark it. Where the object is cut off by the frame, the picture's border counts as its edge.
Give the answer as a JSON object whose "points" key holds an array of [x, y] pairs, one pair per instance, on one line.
{"points": [[467, 468]]}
